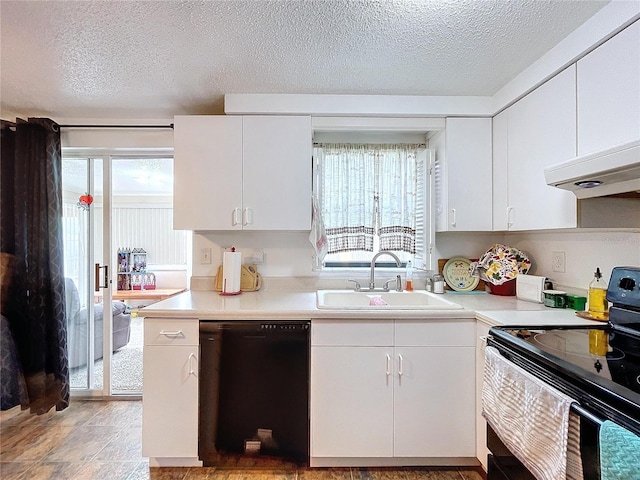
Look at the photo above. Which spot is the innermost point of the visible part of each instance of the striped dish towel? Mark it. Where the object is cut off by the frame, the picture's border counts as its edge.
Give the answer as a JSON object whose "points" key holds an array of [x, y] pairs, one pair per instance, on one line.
{"points": [[530, 417], [574, 456]]}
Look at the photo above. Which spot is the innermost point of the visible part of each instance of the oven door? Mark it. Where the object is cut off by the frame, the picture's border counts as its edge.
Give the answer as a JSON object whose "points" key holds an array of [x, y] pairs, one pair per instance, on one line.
{"points": [[503, 465]]}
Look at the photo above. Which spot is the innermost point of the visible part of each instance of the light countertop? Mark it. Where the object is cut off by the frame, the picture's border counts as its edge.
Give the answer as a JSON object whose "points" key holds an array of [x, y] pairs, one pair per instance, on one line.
{"points": [[277, 303]]}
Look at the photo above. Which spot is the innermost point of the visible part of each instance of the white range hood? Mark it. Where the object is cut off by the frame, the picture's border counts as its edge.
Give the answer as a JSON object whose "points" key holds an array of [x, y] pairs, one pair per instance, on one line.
{"points": [[608, 172]]}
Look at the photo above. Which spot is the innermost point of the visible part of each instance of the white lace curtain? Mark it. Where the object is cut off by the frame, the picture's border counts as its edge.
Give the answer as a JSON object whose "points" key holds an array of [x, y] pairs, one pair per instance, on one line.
{"points": [[368, 190]]}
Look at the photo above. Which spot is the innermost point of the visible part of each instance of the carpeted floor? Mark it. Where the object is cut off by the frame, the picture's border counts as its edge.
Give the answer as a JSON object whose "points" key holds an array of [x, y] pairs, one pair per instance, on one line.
{"points": [[126, 369]]}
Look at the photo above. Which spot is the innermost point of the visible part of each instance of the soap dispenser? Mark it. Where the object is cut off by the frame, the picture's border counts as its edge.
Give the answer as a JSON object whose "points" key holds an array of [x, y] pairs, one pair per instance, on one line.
{"points": [[409, 277], [598, 304]]}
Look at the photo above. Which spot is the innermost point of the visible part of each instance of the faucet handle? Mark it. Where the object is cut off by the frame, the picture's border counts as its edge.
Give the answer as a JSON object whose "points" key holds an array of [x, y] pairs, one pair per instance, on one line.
{"points": [[385, 287], [398, 283], [357, 285]]}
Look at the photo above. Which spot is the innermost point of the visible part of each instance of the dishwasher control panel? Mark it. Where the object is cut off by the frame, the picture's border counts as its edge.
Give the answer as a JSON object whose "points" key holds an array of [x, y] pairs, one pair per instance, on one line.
{"points": [[284, 326]]}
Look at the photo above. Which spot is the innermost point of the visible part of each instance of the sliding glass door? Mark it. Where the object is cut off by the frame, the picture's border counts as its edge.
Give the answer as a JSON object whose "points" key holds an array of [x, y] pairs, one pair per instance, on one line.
{"points": [[117, 217], [86, 268]]}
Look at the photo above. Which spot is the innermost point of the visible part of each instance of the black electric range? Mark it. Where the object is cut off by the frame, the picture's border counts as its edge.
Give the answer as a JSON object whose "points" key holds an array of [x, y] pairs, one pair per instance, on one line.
{"points": [[597, 365]]}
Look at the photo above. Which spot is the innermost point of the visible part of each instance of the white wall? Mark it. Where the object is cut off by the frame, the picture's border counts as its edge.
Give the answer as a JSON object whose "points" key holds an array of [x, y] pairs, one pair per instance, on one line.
{"points": [[289, 254], [584, 251]]}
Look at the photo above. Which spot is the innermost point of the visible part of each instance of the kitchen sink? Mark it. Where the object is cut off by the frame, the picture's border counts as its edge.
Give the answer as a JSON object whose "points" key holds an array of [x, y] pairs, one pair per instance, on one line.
{"points": [[352, 300]]}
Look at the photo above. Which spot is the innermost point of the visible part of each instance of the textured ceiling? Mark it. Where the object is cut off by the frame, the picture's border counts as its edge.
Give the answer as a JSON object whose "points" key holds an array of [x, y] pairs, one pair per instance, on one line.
{"points": [[155, 59]]}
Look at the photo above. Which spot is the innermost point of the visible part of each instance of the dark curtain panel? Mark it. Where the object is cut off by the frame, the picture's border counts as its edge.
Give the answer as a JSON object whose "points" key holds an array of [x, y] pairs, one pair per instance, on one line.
{"points": [[32, 232]]}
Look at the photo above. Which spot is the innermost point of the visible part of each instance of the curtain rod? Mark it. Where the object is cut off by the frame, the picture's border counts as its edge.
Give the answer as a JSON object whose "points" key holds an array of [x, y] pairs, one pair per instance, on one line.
{"points": [[117, 126]]}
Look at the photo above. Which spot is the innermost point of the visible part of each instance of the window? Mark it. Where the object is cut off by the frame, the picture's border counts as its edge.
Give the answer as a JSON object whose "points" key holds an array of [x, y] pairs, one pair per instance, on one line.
{"points": [[373, 198]]}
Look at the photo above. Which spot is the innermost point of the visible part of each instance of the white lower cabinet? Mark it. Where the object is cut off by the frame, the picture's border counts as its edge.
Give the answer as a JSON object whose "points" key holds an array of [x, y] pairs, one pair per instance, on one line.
{"points": [[433, 405], [352, 402], [407, 394], [170, 392]]}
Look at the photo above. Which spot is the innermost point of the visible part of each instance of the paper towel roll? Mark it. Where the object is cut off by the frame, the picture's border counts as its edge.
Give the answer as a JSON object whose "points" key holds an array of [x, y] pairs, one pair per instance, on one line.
{"points": [[231, 272]]}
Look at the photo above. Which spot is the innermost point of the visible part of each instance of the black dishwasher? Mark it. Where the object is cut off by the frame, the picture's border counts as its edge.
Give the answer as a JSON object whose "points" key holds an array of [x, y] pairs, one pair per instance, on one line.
{"points": [[254, 391]]}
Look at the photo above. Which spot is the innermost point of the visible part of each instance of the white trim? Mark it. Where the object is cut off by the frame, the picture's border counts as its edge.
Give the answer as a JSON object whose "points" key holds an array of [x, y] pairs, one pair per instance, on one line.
{"points": [[356, 105], [376, 124]]}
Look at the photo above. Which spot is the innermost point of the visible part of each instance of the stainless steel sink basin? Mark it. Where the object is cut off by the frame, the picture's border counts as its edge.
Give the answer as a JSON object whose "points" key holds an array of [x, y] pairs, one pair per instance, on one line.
{"points": [[352, 300]]}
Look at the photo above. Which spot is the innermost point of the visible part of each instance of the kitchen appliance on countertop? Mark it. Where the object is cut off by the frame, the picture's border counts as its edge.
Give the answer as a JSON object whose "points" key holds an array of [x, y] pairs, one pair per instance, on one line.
{"points": [[598, 366]]}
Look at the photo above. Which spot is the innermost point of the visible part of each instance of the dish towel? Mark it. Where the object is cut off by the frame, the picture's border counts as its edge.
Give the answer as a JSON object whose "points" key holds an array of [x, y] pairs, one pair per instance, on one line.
{"points": [[530, 417], [574, 456], [318, 237], [619, 453]]}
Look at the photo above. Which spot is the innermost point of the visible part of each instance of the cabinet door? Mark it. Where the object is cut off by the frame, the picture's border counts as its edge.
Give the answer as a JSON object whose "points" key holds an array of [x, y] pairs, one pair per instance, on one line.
{"points": [[609, 93], [277, 173], [500, 190], [542, 132], [468, 174], [434, 402], [351, 402], [482, 330], [170, 401], [207, 172]]}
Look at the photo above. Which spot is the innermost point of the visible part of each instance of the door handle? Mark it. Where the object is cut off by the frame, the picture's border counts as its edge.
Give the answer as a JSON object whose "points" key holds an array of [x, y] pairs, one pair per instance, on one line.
{"points": [[453, 217], [509, 221], [192, 360], [177, 333], [235, 220], [105, 277], [248, 216], [388, 364], [400, 360]]}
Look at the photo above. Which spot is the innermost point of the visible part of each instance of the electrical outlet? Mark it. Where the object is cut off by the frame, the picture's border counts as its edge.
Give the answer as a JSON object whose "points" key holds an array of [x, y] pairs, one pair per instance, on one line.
{"points": [[205, 256], [256, 257], [558, 262]]}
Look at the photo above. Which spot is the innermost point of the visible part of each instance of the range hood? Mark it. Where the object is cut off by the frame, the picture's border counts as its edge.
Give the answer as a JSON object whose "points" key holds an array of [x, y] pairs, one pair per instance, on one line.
{"points": [[608, 172]]}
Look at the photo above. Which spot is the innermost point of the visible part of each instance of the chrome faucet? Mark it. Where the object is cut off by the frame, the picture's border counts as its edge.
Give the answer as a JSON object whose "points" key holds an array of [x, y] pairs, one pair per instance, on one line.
{"points": [[372, 283]]}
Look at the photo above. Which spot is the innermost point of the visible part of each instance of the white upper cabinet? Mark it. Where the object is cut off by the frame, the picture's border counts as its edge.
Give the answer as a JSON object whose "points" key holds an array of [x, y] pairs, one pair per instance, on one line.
{"points": [[242, 173], [277, 173], [500, 195], [463, 175], [609, 93], [207, 171], [540, 131]]}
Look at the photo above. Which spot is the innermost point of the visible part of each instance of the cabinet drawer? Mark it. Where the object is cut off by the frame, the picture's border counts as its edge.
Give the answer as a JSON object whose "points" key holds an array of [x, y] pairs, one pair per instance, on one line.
{"points": [[171, 331], [361, 333], [443, 332]]}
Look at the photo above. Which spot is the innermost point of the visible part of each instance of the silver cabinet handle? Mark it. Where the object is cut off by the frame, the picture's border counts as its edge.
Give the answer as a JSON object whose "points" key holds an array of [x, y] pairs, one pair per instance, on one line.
{"points": [[177, 333], [509, 221], [192, 360], [400, 360], [388, 364], [236, 219], [248, 216], [453, 215]]}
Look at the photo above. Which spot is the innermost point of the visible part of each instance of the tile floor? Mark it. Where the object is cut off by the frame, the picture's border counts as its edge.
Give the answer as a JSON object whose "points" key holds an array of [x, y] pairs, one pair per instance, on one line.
{"points": [[96, 439]]}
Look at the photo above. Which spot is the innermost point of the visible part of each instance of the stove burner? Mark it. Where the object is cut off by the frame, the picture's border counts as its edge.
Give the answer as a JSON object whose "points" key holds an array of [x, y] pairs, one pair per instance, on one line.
{"points": [[574, 343]]}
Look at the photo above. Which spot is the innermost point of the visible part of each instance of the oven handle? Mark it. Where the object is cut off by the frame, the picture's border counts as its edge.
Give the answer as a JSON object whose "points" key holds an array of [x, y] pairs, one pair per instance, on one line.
{"points": [[586, 414]]}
